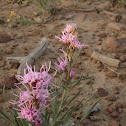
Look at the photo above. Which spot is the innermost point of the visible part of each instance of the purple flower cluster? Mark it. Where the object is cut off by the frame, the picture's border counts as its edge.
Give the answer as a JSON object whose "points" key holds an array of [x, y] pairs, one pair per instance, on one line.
{"points": [[69, 37], [63, 62], [35, 95]]}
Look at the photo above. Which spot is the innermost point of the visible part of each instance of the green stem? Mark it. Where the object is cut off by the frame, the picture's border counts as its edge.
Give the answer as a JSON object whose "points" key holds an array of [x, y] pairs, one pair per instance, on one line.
{"points": [[62, 100], [60, 107], [69, 64]]}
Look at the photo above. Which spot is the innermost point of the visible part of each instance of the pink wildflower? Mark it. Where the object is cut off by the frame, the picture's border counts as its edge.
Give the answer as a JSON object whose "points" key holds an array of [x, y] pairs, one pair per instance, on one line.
{"points": [[62, 62], [35, 95], [25, 96], [38, 122], [41, 95], [66, 38], [70, 28], [28, 112], [76, 43], [38, 79], [69, 38]]}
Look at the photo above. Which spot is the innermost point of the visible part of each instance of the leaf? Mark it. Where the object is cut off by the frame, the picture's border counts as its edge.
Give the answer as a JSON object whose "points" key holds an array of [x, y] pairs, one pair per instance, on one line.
{"points": [[55, 104], [78, 81], [4, 116], [90, 110], [73, 98], [71, 109], [4, 91], [85, 104]]}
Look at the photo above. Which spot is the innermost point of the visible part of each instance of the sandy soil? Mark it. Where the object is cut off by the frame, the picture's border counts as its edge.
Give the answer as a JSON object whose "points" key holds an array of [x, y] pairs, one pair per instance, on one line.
{"points": [[91, 22]]}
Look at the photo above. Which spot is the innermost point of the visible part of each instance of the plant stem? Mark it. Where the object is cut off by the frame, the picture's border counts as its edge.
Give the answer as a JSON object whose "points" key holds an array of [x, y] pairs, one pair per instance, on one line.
{"points": [[60, 107], [62, 100]]}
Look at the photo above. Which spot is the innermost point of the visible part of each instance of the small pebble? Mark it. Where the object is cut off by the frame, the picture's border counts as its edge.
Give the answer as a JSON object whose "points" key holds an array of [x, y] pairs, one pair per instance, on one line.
{"points": [[110, 74], [109, 109], [123, 58], [111, 98], [102, 92], [114, 114], [118, 105]]}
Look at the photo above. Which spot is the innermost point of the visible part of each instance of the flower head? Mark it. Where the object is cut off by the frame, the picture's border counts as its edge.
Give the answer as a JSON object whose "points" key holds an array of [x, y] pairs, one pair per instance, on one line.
{"points": [[31, 114], [69, 38], [35, 94], [11, 16], [36, 79], [62, 62], [70, 28]]}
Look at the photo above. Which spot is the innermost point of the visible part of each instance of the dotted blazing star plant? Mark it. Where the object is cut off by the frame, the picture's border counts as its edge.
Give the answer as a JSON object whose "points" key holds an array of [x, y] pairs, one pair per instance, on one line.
{"points": [[38, 102]]}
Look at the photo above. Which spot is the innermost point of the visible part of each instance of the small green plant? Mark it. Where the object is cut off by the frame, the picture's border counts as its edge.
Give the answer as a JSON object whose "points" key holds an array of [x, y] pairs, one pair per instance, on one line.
{"points": [[42, 102], [24, 21], [47, 4]]}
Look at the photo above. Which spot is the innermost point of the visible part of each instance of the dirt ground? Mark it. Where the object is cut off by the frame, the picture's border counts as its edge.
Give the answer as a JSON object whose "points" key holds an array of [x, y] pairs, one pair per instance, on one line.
{"points": [[93, 29]]}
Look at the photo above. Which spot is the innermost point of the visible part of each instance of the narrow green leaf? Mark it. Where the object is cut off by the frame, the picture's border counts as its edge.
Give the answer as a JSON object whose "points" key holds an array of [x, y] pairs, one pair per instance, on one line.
{"points": [[3, 115], [73, 98], [90, 110]]}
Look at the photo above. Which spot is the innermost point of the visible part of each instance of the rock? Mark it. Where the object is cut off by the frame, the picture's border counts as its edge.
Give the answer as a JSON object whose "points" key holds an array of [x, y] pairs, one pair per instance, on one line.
{"points": [[38, 20], [88, 82], [88, 52], [1, 98], [123, 58], [102, 92], [118, 105], [69, 16], [9, 51], [109, 109], [114, 114], [116, 92], [110, 74], [8, 81], [117, 56], [116, 88], [111, 98], [35, 14], [85, 74], [102, 35], [99, 43], [117, 26], [4, 38], [115, 45], [114, 123]]}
